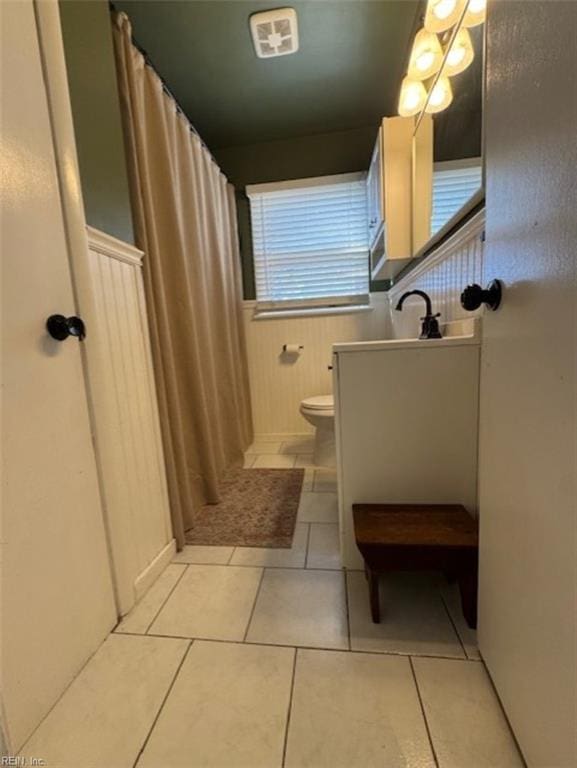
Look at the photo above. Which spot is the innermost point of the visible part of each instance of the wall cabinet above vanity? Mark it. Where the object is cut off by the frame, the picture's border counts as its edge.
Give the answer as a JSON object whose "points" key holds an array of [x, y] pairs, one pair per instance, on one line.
{"points": [[389, 198]]}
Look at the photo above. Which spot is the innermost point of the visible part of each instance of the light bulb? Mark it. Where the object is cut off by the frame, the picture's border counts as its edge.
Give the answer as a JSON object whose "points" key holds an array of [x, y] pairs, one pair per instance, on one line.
{"points": [[412, 98], [455, 55], [444, 8], [443, 14], [426, 56], [424, 61], [460, 54], [476, 13], [441, 96]]}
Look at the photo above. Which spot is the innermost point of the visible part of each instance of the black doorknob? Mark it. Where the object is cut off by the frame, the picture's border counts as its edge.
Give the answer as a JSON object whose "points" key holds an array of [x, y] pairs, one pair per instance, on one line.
{"points": [[60, 327], [473, 296]]}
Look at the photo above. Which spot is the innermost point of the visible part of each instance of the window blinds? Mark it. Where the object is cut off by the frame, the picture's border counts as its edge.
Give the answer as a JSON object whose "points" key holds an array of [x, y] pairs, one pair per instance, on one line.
{"points": [[310, 242], [452, 188]]}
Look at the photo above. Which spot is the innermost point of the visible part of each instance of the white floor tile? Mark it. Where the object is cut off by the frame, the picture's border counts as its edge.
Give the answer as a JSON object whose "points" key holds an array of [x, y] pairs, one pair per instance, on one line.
{"points": [[105, 715], [277, 558], [318, 508], [300, 445], [203, 555], [141, 616], [352, 710], [452, 599], [264, 447], [413, 617], [300, 607], [272, 461], [304, 460], [325, 480], [227, 709], [324, 546], [211, 601], [465, 719]]}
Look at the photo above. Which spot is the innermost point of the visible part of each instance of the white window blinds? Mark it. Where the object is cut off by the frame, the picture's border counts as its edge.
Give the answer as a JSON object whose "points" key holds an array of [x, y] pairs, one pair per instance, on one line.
{"points": [[310, 242], [454, 183]]}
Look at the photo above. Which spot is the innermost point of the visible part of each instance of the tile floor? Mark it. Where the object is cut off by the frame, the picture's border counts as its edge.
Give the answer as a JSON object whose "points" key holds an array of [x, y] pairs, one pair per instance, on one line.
{"points": [[240, 657]]}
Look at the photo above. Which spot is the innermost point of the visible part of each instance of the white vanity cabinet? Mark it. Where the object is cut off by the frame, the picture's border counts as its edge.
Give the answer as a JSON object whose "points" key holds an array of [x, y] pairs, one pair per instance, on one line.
{"points": [[389, 198], [406, 416]]}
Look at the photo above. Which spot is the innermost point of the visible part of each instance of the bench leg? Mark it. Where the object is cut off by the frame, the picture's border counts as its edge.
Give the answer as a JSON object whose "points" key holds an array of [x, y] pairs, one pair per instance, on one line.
{"points": [[468, 589], [373, 579]]}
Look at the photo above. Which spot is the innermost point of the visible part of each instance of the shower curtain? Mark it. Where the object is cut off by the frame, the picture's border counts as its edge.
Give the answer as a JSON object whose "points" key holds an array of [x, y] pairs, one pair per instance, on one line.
{"points": [[185, 222]]}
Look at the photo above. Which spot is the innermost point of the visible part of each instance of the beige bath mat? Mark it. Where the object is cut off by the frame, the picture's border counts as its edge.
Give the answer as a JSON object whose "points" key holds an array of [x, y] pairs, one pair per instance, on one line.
{"points": [[258, 509]]}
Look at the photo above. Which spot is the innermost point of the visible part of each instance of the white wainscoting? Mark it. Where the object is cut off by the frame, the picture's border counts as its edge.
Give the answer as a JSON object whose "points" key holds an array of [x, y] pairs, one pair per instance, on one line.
{"points": [[128, 443], [455, 264], [279, 382]]}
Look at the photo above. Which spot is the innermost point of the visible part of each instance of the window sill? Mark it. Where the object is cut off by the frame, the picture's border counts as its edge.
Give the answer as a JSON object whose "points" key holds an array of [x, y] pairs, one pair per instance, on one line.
{"points": [[304, 312]]}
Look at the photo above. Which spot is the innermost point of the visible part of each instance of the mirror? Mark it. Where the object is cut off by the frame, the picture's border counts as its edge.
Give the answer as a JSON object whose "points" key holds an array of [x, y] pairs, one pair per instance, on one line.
{"points": [[448, 152]]}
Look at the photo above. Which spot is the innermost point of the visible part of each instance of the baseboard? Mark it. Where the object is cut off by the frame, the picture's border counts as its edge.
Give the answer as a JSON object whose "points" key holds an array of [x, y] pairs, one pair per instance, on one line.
{"points": [[154, 569], [280, 437]]}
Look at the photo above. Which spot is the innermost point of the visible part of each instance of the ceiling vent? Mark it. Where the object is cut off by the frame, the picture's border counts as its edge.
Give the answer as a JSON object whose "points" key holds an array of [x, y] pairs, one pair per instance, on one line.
{"points": [[275, 33]]}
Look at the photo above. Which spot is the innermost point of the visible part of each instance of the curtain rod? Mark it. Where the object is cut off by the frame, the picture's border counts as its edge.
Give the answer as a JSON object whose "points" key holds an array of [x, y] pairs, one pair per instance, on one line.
{"points": [[149, 63]]}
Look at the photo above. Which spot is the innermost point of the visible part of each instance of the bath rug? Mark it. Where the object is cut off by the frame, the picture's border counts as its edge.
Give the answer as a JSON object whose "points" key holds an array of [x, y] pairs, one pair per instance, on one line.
{"points": [[258, 508]]}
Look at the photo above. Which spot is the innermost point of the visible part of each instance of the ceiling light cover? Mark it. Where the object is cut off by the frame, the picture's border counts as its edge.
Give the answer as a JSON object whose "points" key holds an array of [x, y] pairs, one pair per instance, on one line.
{"points": [[275, 33], [426, 56], [440, 97], [460, 54], [476, 13], [413, 97], [443, 14]]}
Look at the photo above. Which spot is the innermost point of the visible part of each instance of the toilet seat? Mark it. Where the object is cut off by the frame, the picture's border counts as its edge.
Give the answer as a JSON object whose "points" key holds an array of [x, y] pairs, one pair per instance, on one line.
{"points": [[319, 403]]}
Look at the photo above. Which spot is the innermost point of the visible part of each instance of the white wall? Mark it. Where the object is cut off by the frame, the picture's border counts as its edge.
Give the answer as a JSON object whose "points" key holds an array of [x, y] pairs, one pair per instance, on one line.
{"points": [[279, 383], [128, 441], [456, 264]]}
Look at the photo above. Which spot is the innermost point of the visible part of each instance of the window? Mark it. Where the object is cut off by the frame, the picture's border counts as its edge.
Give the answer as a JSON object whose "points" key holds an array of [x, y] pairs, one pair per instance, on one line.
{"points": [[454, 183], [310, 242]]}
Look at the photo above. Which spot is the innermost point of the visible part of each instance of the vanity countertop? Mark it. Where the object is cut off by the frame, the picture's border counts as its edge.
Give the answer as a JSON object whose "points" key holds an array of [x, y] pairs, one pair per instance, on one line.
{"points": [[460, 333]]}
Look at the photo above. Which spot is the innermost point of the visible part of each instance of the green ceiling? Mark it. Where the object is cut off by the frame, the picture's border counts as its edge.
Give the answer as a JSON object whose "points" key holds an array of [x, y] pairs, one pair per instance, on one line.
{"points": [[346, 74]]}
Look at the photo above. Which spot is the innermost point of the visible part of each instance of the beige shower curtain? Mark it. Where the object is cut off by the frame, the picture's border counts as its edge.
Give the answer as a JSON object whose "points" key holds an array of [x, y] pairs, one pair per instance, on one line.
{"points": [[185, 222]]}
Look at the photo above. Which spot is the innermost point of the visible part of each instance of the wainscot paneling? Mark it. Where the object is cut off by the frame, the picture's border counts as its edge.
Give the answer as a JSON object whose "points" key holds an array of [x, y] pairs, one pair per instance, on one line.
{"points": [[456, 263], [279, 381], [128, 443]]}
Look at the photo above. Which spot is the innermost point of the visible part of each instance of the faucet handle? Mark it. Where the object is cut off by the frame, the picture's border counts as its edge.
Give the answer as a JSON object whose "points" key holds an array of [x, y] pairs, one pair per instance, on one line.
{"points": [[430, 327]]}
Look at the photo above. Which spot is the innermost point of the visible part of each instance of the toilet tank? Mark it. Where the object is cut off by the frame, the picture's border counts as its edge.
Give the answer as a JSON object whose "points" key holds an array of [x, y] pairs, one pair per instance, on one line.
{"points": [[406, 420]]}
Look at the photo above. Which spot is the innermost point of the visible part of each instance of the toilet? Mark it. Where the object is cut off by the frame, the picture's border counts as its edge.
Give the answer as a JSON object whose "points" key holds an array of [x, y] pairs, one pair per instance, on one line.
{"points": [[320, 412]]}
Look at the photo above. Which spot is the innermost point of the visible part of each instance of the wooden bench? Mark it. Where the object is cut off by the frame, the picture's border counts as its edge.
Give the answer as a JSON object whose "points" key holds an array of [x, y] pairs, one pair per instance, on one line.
{"points": [[413, 537]]}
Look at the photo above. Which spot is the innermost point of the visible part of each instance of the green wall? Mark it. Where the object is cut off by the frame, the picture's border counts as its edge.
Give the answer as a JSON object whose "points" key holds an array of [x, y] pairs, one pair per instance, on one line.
{"points": [[298, 158], [87, 36]]}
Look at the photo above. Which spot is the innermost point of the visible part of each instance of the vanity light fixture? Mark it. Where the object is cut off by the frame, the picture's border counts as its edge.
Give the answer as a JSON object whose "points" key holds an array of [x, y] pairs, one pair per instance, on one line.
{"points": [[426, 56], [441, 96], [413, 97], [460, 54], [443, 14], [476, 13]]}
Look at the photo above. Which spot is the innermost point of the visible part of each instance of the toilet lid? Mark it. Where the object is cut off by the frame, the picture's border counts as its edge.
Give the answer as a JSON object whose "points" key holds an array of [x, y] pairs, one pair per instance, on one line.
{"points": [[319, 403]]}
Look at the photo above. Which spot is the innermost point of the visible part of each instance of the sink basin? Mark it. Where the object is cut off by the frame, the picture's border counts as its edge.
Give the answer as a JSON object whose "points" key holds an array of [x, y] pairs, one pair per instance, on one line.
{"points": [[458, 333]]}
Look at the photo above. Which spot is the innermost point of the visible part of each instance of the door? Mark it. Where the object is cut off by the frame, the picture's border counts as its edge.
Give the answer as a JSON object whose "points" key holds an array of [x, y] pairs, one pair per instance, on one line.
{"points": [[374, 205], [528, 567], [58, 600]]}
